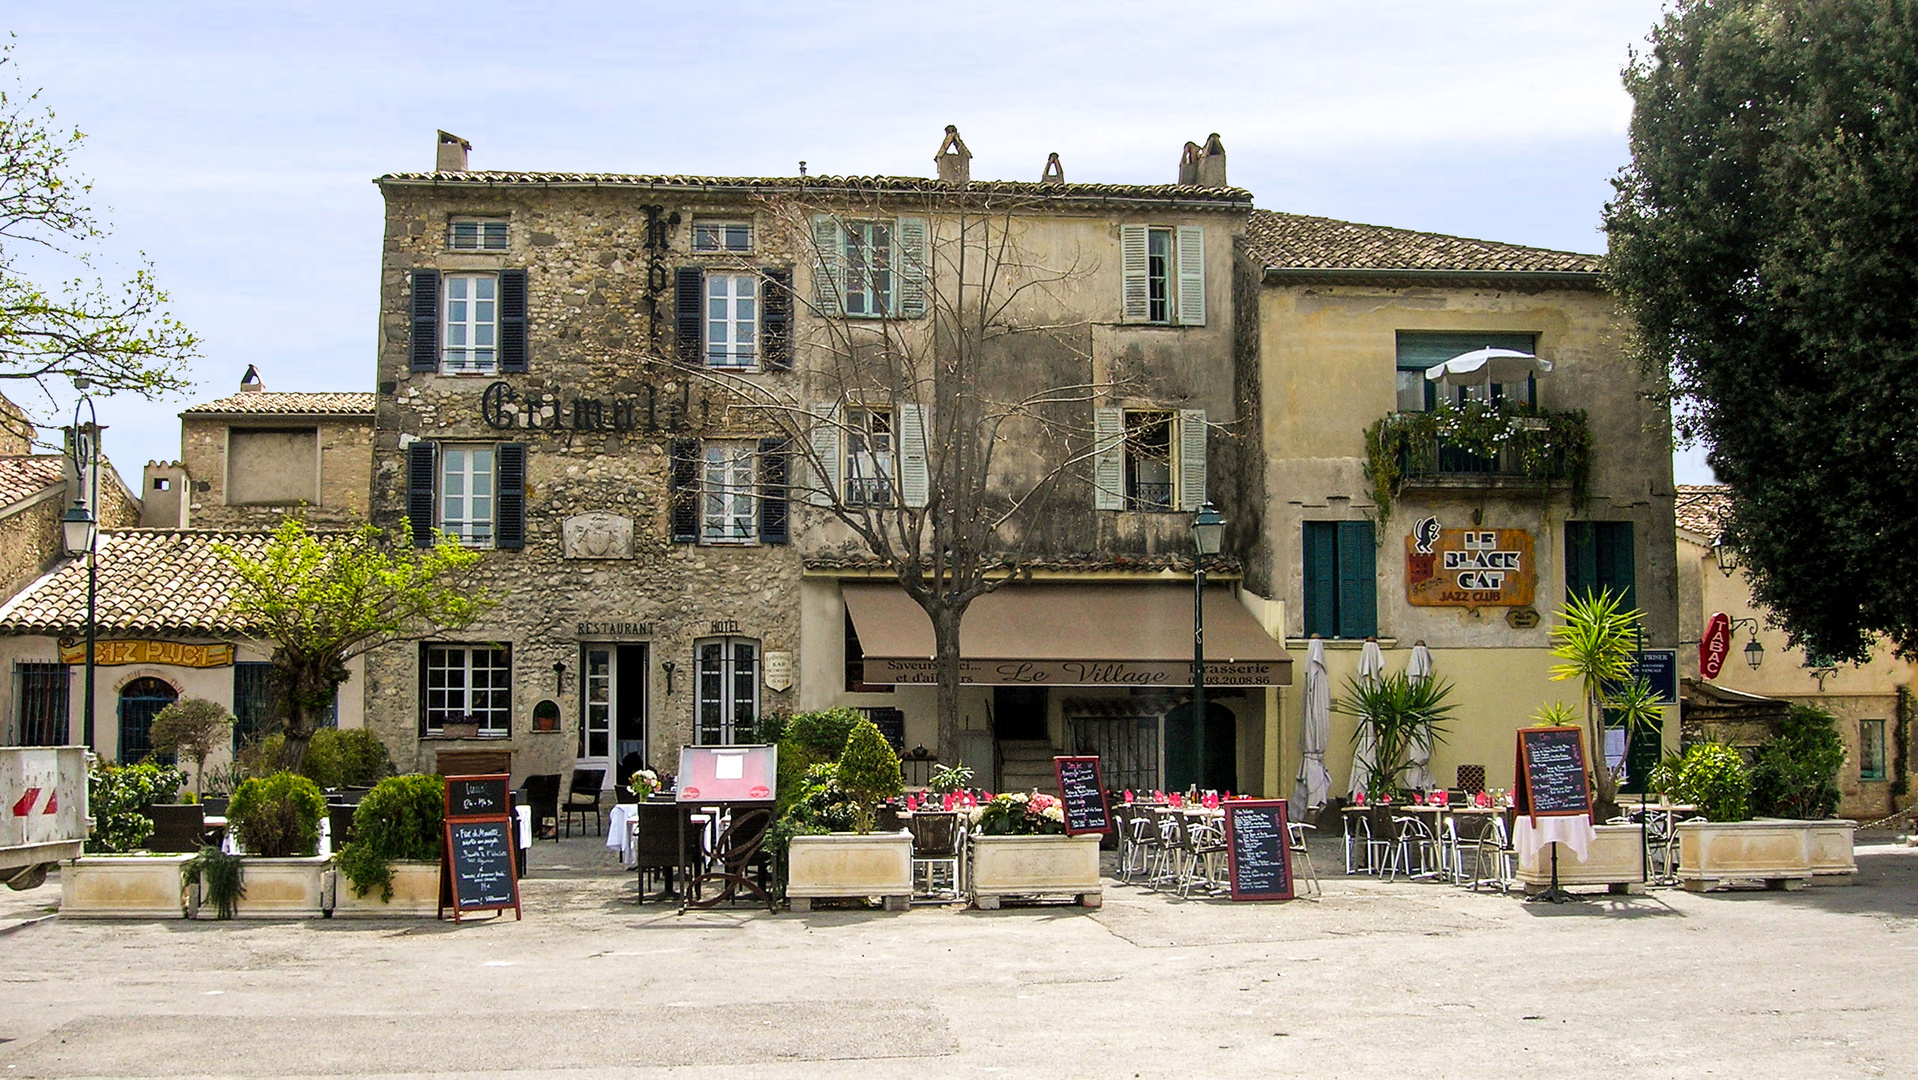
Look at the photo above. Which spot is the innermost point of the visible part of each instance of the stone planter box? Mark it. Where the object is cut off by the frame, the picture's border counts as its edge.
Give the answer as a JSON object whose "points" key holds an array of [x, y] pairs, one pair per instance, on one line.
{"points": [[1616, 859], [1782, 854], [416, 894], [295, 888], [122, 887], [1035, 866], [847, 866]]}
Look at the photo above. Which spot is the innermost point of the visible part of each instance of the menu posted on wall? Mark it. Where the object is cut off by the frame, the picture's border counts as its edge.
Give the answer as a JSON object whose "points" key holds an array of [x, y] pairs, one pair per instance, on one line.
{"points": [[480, 854], [1083, 793], [1258, 849], [1551, 772], [476, 853]]}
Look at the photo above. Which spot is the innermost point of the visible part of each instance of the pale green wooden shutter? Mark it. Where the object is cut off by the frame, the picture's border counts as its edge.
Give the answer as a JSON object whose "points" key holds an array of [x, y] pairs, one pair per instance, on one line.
{"points": [[914, 482], [1135, 299], [910, 237], [827, 460], [828, 265], [1191, 253], [1191, 458], [1108, 458]]}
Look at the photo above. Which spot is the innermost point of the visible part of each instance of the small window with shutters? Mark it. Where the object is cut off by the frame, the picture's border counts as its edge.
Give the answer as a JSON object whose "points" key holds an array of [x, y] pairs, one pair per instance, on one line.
{"points": [[1149, 459], [476, 234], [1162, 270], [1340, 579], [728, 492], [478, 326], [871, 269]]}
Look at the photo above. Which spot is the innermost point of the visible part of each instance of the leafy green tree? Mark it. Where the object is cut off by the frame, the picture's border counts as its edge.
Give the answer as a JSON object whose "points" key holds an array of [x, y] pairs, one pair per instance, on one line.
{"points": [[190, 729], [1764, 239], [119, 336], [1795, 774], [868, 772], [323, 599], [1596, 639]]}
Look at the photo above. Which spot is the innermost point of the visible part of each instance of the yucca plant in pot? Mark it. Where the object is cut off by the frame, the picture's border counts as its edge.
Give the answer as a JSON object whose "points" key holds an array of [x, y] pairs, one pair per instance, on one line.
{"points": [[1397, 711]]}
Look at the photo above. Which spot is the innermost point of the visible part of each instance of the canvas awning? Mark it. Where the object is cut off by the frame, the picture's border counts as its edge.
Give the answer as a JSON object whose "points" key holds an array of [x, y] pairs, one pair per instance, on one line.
{"points": [[1070, 635]]}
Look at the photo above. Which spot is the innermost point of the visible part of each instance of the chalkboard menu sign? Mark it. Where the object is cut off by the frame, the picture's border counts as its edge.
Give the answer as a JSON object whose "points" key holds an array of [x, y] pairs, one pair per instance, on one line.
{"points": [[476, 858], [1551, 772], [1083, 794], [477, 796], [1258, 849]]}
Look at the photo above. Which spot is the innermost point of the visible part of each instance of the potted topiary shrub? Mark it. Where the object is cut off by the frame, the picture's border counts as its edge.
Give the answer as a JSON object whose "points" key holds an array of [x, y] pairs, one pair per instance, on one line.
{"points": [[275, 822], [1020, 849], [115, 879], [392, 866], [847, 865], [190, 729]]}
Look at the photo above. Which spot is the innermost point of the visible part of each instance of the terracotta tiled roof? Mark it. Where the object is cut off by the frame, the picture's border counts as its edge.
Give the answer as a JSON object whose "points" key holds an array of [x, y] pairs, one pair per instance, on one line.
{"points": [[151, 581], [26, 475], [887, 185], [1703, 508], [1054, 563], [283, 403], [1297, 242]]}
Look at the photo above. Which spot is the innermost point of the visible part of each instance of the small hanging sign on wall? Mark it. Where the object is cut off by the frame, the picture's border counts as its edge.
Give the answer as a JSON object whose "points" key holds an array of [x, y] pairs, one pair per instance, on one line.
{"points": [[778, 668]]}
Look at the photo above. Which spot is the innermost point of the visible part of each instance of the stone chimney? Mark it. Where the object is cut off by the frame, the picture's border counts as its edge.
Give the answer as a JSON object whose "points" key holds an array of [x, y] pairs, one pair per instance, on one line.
{"points": [[953, 159], [452, 153], [1054, 173], [250, 382], [163, 496], [1189, 164], [1212, 163]]}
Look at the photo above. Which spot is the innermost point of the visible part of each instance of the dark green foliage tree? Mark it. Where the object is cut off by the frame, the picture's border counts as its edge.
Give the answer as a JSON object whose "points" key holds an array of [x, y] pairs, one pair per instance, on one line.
{"points": [[278, 816], [349, 757], [1765, 240], [190, 729], [403, 817], [1795, 774]]}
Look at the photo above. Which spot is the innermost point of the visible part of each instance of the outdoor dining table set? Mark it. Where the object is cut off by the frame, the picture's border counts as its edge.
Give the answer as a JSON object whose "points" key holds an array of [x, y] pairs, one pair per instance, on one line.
{"points": [[1171, 844]]}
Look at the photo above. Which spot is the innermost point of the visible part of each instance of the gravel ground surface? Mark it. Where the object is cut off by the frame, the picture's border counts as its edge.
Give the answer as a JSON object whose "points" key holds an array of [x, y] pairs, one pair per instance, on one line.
{"points": [[1375, 979]]}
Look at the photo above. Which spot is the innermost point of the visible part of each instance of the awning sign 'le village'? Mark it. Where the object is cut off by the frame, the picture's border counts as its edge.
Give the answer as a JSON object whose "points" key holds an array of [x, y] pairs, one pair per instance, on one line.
{"points": [[1468, 567]]}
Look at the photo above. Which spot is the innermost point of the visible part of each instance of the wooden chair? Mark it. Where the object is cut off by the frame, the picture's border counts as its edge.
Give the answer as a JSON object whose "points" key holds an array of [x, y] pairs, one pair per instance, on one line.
{"points": [[582, 798], [542, 794]]}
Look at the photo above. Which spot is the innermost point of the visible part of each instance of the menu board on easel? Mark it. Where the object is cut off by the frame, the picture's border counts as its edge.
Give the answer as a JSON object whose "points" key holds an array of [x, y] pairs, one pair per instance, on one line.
{"points": [[1551, 772], [476, 851], [1258, 849], [1082, 795]]}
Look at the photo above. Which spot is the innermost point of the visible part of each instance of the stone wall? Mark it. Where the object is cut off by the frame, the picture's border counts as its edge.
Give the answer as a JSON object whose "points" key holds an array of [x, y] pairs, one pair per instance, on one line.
{"points": [[332, 490]]}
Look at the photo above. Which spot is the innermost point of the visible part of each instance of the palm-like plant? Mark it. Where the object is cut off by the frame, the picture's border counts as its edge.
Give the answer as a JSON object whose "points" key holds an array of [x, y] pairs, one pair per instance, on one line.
{"points": [[1596, 638], [1398, 711]]}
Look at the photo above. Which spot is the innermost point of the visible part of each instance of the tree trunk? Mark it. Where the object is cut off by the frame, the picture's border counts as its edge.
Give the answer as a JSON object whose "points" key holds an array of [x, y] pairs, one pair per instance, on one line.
{"points": [[1605, 798], [945, 636], [303, 689]]}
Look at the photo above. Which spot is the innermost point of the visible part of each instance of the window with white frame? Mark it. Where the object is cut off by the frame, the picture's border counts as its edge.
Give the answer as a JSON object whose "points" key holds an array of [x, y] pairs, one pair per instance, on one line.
{"points": [[471, 323], [869, 457], [1158, 275], [729, 493], [466, 494], [722, 236], [476, 234], [868, 268], [1149, 459], [1162, 274], [727, 686], [468, 684], [732, 320]]}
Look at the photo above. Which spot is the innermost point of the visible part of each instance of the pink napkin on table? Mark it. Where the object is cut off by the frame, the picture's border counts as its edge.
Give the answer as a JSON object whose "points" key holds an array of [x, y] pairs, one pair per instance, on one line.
{"points": [[1128, 796]]}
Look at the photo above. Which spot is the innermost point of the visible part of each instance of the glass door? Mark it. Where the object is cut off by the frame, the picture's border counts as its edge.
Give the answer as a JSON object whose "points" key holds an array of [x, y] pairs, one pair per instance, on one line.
{"points": [[598, 671]]}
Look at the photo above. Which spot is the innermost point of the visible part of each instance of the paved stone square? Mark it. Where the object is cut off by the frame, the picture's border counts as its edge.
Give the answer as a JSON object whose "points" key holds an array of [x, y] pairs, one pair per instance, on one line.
{"points": [[1376, 979]]}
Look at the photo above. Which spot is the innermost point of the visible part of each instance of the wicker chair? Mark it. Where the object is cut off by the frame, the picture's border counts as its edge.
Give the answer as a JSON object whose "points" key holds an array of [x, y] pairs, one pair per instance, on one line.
{"points": [[542, 794], [582, 798]]}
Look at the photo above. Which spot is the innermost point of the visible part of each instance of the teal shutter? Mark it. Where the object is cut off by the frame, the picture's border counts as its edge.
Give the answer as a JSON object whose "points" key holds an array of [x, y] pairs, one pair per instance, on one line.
{"points": [[1321, 578], [1358, 580], [1617, 570], [1581, 559]]}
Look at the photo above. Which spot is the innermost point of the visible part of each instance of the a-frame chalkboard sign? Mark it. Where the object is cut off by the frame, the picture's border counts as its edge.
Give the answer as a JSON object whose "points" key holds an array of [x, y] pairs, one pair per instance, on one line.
{"points": [[1551, 772], [476, 852]]}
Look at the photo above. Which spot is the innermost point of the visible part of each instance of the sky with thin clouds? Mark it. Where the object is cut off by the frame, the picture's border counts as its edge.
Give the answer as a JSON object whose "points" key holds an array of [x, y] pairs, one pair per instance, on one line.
{"points": [[234, 143]]}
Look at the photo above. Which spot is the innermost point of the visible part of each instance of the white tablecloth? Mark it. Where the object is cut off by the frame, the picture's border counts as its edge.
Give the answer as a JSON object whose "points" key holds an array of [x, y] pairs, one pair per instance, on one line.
{"points": [[619, 833], [525, 825], [1575, 833]]}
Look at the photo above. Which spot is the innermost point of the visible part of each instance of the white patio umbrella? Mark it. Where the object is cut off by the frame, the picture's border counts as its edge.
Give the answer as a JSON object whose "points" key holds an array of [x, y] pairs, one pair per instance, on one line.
{"points": [[1481, 366], [1315, 731], [1418, 669], [1371, 668]]}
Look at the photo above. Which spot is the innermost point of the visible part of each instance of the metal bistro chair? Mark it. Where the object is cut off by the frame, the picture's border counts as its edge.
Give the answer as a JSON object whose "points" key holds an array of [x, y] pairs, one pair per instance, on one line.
{"points": [[542, 794], [1295, 836], [1463, 832], [1168, 865], [1142, 845], [1358, 831], [582, 798], [937, 841], [1495, 848], [1204, 856]]}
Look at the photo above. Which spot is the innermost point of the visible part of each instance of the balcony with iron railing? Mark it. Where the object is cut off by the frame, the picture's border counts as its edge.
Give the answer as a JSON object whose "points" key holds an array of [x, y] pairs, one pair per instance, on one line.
{"points": [[1480, 446]]}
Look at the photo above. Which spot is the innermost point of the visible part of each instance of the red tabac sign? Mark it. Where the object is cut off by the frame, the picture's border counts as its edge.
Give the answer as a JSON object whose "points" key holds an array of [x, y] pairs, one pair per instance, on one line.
{"points": [[1715, 645]]}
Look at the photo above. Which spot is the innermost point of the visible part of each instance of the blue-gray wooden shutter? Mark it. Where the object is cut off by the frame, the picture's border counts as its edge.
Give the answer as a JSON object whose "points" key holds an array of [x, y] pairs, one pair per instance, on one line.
{"points": [[828, 469], [1617, 569], [915, 475], [1321, 568], [512, 321], [1191, 478], [426, 320], [1134, 266], [774, 508], [682, 494], [775, 319], [1190, 240], [1358, 580], [509, 508], [689, 288], [1108, 458], [421, 463], [1581, 559], [828, 262]]}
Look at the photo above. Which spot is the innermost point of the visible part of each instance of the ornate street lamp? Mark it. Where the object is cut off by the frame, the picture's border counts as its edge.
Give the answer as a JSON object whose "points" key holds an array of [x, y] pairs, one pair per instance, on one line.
{"points": [[1725, 555], [1208, 529], [1754, 652], [81, 526]]}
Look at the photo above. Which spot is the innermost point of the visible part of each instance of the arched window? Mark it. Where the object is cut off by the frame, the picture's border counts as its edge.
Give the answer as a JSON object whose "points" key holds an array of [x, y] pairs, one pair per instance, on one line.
{"points": [[140, 701]]}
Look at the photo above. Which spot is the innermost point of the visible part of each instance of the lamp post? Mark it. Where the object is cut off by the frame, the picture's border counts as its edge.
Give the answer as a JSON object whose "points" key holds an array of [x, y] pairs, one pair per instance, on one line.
{"points": [[1207, 530], [81, 528]]}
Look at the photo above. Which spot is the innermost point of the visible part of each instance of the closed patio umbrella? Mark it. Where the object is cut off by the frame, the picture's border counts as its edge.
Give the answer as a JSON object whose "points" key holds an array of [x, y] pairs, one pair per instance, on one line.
{"points": [[1315, 731], [1419, 777], [1371, 668]]}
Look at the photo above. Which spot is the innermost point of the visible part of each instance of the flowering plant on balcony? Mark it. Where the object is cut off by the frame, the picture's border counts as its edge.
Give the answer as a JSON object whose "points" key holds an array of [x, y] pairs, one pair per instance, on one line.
{"points": [[1517, 441], [1020, 814]]}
